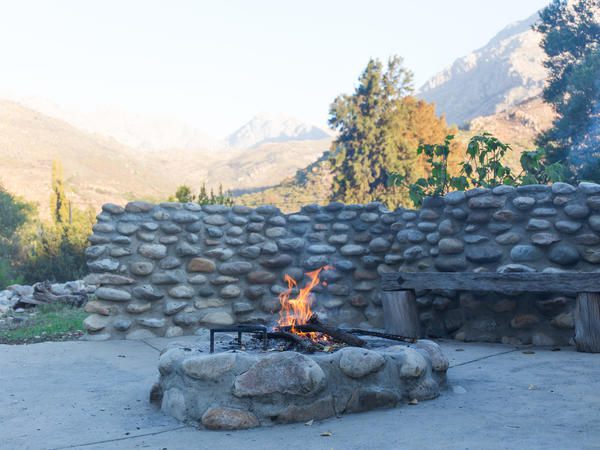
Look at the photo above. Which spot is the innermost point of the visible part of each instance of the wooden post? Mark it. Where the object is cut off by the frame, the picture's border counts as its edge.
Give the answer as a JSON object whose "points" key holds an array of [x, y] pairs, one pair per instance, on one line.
{"points": [[400, 313], [587, 322]]}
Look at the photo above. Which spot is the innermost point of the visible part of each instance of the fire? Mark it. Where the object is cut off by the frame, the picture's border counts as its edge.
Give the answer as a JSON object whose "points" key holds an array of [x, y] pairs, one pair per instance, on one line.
{"points": [[297, 311]]}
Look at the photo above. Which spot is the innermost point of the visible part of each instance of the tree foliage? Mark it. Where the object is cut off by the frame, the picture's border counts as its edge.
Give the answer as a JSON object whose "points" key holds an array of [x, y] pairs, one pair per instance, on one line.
{"points": [[571, 41], [184, 194], [379, 127]]}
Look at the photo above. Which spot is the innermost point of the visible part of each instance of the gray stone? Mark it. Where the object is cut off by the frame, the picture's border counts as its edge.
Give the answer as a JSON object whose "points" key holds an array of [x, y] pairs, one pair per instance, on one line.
{"points": [[112, 294], [591, 255], [121, 324], [338, 239], [594, 202], [410, 235], [184, 217], [358, 362], [241, 209], [589, 188], [379, 245], [182, 291], [147, 292], [288, 373], [215, 219], [446, 228], [450, 263], [562, 188], [567, 226], [103, 265], [138, 308], [433, 238], [594, 222], [172, 277], [238, 221], [152, 323], [563, 254], [320, 249], [95, 251], [413, 253], [275, 232], [450, 246], [298, 218], [170, 228], [503, 189], [250, 252], [217, 318], [484, 253], [214, 232], [525, 253], [454, 198], [222, 254], [185, 249], [587, 239], [352, 250], [138, 207], [230, 291], [170, 262], [208, 367], [427, 227], [538, 225], [152, 251], [95, 322], [127, 228], [119, 252], [576, 211], [173, 307], [544, 239], [235, 268], [111, 208], [486, 202], [369, 217], [347, 215], [234, 231], [255, 238], [168, 240], [523, 203]]}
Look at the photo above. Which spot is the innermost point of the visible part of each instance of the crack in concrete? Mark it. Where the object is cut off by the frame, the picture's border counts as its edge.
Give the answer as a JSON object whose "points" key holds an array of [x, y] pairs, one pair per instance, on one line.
{"points": [[482, 358], [106, 441], [151, 346]]}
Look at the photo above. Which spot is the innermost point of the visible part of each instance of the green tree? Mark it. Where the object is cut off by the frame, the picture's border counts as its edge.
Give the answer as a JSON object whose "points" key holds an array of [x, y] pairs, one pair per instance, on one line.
{"points": [[184, 194], [14, 215], [379, 127], [59, 205], [571, 41]]}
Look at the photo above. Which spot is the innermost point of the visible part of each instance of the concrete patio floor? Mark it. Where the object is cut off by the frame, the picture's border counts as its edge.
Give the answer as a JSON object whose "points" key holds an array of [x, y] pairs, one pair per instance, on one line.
{"points": [[94, 395]]}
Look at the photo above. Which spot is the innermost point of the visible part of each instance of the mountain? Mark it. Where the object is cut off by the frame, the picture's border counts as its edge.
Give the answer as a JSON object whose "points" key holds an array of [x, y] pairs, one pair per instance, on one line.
{"points": [[99, 169], [138, 131], [505, 72], [265, 128], [96, 169]]}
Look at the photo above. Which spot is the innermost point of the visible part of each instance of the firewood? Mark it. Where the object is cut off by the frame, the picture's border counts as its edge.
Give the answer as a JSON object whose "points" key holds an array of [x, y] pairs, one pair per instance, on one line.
{"points": [[392, 337], [315, 326], [304, 344]]}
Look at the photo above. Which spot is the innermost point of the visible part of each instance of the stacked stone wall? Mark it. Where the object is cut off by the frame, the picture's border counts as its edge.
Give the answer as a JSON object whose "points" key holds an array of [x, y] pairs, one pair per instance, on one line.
{"points": [[174, 268]]}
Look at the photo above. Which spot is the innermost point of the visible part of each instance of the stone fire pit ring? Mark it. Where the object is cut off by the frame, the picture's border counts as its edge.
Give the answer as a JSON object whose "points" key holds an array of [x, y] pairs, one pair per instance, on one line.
{"points": [[237, 389]]}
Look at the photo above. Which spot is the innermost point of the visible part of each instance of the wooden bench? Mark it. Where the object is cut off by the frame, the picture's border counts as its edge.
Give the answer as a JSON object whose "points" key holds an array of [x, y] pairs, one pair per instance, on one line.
{"points": [[400, 308]]}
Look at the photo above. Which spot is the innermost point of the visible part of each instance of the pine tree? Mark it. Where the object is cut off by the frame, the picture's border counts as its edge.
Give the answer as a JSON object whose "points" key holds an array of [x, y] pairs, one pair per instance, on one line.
{"points": [[59, 204], [380, 127], [571, 41]]}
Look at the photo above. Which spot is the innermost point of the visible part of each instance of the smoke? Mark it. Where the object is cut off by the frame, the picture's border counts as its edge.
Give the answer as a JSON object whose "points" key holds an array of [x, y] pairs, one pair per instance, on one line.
{"points": [[585, 152]]}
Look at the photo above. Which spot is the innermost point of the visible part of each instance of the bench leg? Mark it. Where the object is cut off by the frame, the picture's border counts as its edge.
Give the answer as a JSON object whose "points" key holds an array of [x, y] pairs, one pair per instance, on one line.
{"points": [[587, 322], [400, 313]]}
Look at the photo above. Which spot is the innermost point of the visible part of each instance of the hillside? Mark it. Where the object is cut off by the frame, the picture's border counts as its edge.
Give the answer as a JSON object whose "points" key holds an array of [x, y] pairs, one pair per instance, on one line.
{"points": [[96, 169], [505, 72], [99, 170]]}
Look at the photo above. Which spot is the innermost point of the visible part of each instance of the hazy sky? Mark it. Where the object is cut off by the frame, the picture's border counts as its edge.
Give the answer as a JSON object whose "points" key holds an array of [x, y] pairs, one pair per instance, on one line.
{"points": [[215, 64]]}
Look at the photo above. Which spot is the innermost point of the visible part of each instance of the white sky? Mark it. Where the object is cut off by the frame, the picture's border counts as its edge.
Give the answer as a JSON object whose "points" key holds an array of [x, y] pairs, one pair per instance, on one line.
{"points": [[215, 64]]}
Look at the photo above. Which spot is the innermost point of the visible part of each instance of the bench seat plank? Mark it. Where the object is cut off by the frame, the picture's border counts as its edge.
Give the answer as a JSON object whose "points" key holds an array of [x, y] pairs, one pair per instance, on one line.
{"points": [[567, 282]]}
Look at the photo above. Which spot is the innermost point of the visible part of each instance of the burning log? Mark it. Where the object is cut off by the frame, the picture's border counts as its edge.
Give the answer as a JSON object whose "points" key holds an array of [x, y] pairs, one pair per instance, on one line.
{"points": [[304, 344], [313, 325]]}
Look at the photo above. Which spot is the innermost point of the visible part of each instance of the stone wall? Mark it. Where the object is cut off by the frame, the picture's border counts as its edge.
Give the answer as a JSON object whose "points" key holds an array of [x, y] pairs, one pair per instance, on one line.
{"points": [[173, 268]]}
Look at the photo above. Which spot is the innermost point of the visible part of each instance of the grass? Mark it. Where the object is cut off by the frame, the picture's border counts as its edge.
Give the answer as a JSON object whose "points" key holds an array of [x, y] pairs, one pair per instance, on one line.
{"points": [[50, 322]]}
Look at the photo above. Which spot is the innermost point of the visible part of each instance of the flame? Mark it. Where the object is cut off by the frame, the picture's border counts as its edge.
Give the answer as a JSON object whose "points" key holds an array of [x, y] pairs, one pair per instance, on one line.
{"points": [[297, 311]]}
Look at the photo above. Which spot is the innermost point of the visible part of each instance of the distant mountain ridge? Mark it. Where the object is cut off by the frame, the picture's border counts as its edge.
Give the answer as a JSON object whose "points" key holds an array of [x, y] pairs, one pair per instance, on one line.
{"points": [[505, 72], [269, 128]]}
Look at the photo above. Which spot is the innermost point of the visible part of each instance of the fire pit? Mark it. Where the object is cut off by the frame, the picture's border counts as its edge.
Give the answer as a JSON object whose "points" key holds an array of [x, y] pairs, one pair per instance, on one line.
{"points": [[300, 370]]}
